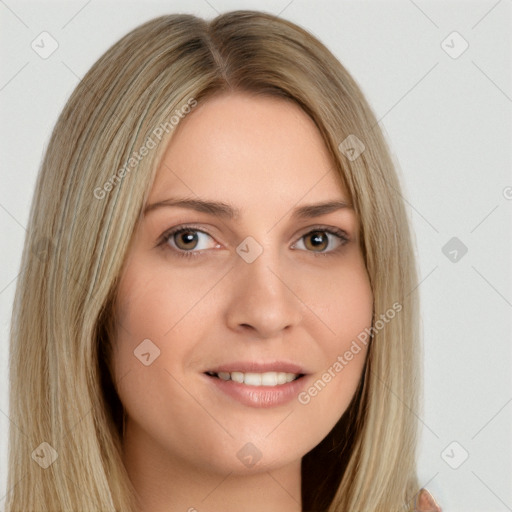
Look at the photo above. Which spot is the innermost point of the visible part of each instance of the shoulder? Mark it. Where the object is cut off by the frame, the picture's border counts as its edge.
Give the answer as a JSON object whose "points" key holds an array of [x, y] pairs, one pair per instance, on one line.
{"points": [[425, 502]]}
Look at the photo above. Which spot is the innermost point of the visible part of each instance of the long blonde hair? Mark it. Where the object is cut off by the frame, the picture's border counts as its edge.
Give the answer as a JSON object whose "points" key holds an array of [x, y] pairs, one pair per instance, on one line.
{"points": [[89, 196]]}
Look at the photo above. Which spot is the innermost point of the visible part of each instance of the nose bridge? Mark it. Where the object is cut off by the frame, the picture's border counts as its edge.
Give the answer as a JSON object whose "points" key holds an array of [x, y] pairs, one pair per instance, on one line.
{"points": [[262, 301], [261, 276]]}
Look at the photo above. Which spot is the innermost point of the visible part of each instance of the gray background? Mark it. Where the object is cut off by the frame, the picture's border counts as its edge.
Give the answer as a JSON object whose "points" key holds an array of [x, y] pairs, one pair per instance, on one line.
{"points": [[448, 121]]}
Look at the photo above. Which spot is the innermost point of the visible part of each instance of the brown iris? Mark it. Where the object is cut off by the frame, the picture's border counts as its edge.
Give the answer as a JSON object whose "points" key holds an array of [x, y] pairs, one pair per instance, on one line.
{"points": [[186, 240], [316, 241]]}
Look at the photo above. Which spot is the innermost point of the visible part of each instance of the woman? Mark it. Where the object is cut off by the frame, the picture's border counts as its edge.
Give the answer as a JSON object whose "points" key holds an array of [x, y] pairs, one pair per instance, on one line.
{"points": [[216, 309]]}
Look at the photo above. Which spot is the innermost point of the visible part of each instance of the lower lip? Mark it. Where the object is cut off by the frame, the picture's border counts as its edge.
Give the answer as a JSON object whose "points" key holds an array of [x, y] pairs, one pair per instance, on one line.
{"points": [[260, 396]]}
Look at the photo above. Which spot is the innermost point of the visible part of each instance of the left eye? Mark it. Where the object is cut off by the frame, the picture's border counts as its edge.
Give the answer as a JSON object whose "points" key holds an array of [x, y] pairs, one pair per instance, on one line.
{"points": [[320, 241]]}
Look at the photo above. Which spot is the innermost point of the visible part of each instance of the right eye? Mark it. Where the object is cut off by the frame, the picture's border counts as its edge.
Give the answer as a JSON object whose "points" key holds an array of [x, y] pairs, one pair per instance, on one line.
{"points": [[189, 240]]}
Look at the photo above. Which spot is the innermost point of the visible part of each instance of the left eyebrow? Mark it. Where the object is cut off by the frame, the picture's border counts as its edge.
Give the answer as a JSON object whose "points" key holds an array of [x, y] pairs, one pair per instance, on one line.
{"points": [[220, 209], [315, 210]]}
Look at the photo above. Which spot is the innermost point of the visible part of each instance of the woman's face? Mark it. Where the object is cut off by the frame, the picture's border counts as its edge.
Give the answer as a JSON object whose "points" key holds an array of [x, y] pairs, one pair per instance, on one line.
{"points": [[244, 286]]}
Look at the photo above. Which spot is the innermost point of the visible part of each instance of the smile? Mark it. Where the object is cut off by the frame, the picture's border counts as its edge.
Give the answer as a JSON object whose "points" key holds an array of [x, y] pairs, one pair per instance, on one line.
{"points": [[257, 379], [254, 384]]}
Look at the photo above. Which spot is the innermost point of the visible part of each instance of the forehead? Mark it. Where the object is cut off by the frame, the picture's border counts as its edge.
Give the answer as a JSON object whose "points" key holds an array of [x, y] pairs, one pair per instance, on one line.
{"points": [[250, 151]]}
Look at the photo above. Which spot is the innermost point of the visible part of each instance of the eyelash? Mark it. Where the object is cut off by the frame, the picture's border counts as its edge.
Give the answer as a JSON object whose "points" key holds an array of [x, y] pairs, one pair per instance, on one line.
{"points": [[164, 239]]}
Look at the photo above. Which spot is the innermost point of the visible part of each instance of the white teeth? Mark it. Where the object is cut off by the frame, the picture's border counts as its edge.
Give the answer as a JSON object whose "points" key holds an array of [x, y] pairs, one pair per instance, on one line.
{"points": [[281, 378], [237, 377], [259, 379], [269, 379], [290, 376], [252, 379]]}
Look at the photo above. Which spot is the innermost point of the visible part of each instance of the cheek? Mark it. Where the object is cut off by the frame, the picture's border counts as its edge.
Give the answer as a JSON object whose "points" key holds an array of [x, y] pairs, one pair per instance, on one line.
{"points": [[147, 311], [342, 301], [159, 323], [345, 307], [154, 301], [349, 307]]}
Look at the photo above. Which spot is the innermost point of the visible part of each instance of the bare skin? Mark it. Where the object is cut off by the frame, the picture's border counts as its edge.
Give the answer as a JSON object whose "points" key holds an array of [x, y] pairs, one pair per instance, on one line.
{"points": [[302, 301]]}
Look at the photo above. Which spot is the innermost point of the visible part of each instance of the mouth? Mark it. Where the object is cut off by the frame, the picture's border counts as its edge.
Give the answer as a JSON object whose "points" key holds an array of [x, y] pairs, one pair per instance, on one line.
{"points": [[269, 379], [258, 384]]}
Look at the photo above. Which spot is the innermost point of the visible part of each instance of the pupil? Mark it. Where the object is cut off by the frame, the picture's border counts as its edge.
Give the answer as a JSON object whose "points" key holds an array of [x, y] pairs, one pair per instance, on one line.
{"points": [[318, 240], [187, 240]]}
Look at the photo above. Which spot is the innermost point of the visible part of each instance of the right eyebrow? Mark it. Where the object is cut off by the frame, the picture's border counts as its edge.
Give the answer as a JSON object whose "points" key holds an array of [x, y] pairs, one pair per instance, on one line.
{"points": [[212, 207]]}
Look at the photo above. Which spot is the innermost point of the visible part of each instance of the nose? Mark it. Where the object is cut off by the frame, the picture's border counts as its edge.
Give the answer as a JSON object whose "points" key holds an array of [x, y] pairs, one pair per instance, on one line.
{"points": [[262, 300]]}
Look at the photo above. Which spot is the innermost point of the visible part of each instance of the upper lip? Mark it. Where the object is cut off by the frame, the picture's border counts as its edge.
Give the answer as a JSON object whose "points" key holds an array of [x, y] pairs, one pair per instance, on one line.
{"points": [[258, 367]]}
